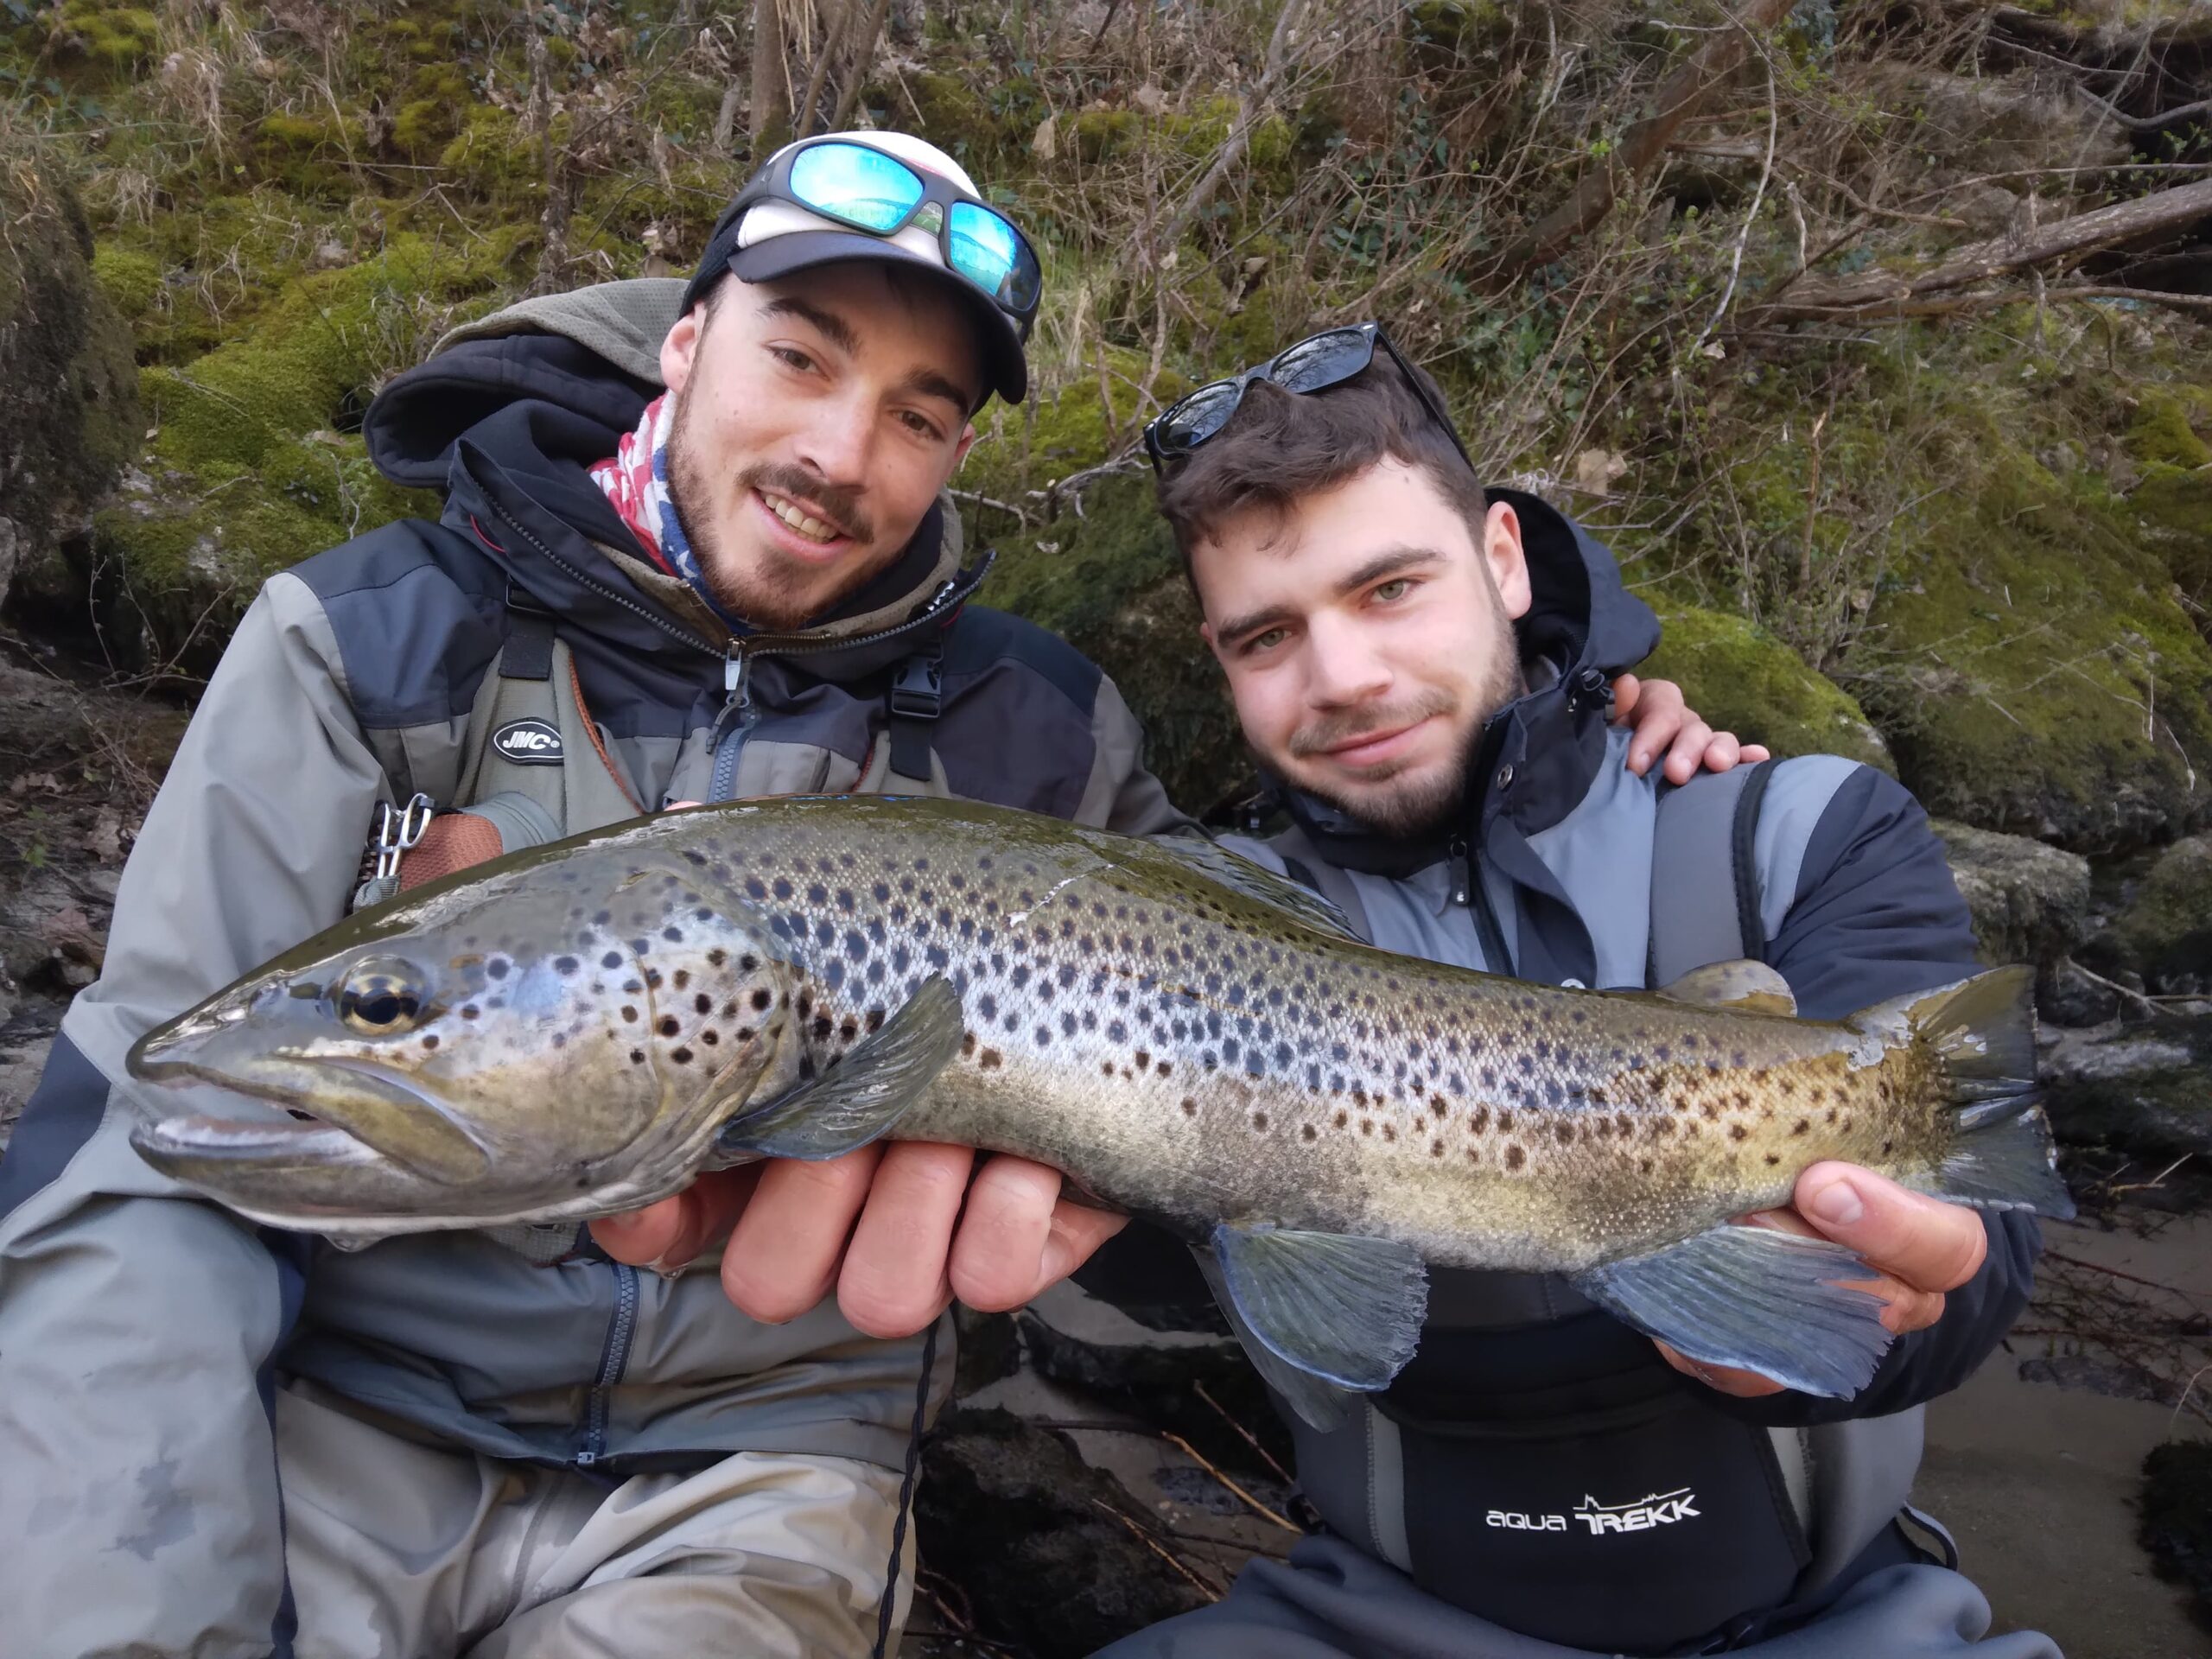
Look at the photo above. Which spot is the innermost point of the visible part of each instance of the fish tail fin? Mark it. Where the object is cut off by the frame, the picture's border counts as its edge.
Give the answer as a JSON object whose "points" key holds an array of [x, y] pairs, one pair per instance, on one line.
{"points": [[1981, 1033]]}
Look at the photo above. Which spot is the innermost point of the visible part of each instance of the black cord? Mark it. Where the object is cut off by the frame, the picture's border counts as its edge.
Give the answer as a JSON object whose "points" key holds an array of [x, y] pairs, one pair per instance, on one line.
{"points": [[906, 1493]]}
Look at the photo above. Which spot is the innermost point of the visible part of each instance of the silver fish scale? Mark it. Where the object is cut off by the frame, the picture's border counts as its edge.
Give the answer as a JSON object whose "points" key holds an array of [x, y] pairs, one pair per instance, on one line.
{"points": [[1182, 1049]]}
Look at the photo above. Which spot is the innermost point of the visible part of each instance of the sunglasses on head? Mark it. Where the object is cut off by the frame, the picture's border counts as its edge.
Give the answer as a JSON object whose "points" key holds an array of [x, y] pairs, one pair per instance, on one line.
{"points": [[874, 191], [1314, 363]]}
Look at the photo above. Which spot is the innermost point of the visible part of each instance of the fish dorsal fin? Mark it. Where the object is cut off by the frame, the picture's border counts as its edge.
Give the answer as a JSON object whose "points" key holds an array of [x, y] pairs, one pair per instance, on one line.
{"points": [[1343, 1309], [864, 1094], [1240, 875], [1744, 986]]}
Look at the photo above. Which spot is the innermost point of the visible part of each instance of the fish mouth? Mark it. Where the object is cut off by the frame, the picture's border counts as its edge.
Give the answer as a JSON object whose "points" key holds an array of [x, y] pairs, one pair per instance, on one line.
{"points": [[347, 1111]]}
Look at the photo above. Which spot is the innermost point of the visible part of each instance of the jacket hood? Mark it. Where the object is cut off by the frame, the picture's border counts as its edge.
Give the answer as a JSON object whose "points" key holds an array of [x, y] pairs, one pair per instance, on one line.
{"points": [[1536, 756], [508, 414]]}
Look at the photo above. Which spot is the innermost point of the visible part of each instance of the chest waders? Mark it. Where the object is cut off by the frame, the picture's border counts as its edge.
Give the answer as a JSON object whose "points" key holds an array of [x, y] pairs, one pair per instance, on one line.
{"points": [[1537, 1463]]}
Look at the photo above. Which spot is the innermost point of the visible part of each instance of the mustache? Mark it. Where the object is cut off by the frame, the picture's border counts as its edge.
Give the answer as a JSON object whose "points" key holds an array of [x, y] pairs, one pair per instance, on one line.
{"points": [[838, 503], [1334, 730]]}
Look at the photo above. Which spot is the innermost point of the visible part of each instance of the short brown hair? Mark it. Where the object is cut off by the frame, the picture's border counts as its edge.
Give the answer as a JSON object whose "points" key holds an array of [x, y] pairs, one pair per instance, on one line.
{"points": [[1281, 446]]}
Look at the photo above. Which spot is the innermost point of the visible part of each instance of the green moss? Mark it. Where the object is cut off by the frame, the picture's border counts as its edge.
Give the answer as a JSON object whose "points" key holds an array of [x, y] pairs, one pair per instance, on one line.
{"points": [[1111, 583], [117, 38], [2162, 433], [130, 279], [2165, 932], [1741, 678], [494, 156]]}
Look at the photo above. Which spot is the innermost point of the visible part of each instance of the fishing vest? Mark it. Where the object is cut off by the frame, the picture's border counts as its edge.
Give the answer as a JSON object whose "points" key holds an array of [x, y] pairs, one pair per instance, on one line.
{"points": [[1536, 1463]]}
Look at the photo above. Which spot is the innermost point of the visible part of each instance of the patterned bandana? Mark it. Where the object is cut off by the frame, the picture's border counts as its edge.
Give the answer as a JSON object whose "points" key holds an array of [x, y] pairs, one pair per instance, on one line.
{"points": [[635, 481]]}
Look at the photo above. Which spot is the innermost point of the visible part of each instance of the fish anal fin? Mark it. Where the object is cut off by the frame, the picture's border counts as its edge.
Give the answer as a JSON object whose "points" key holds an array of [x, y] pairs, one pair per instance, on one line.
{"points": [[1754, 1297], [862, 1097], [1745, 986]]}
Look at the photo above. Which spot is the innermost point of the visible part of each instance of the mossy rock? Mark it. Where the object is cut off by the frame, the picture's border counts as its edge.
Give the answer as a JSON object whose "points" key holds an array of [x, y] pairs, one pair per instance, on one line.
{"points": [[2030, 902], [69, 417], [1111, 583], [2145, 1091], [1743, 679], [247, 472], [2040, 675], [2165, 934], [119, 40]]}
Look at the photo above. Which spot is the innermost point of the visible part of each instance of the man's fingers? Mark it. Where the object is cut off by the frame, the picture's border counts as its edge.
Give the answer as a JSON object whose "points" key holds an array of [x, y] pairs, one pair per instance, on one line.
{"points": [[1745, 1385], [667, 1235], [1656, 719], [893, 1279], [1686, 753], [782, 1258], [1928, 1244], [1755, 753], [1626, 690], [1077, 1230], [998, 1259]]}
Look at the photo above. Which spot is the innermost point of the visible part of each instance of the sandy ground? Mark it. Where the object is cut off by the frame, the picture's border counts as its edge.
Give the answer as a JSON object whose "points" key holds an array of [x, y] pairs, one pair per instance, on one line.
{"points": [[2039, 1483]]}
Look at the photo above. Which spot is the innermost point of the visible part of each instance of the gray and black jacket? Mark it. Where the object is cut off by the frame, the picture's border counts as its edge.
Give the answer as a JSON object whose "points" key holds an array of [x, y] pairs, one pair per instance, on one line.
{"points": [[142, 1332], [1537, 1464]]}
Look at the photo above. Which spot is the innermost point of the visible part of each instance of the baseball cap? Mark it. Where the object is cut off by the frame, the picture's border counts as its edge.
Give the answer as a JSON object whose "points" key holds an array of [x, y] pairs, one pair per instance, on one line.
{"points": [[766, 232]]}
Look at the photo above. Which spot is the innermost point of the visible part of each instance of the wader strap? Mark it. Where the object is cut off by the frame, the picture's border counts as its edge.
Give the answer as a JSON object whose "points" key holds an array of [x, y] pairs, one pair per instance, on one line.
{"points": [[528, 653], [917, 699], [1705, 887]]}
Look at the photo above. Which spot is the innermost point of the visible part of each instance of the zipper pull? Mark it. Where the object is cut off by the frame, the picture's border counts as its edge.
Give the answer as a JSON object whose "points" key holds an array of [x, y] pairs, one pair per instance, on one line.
{"points": [[738, 714], [1457, 851]]}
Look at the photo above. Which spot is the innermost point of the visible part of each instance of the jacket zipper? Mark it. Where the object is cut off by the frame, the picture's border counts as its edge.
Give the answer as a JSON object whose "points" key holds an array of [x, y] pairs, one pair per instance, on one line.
{"points": [[1472, 892], [734, 723], [613, 1358]]}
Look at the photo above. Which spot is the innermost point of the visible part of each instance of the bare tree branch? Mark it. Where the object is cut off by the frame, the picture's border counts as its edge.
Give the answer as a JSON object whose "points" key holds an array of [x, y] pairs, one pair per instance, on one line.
{"points": [[1880, 290], [1681, 96], [1252, 105], [833, 41], [863, 57]]}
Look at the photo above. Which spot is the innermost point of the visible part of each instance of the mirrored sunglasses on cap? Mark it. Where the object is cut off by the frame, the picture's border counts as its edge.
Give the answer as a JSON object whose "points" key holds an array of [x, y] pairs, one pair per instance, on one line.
{"points": [[1314, 363], [873, 191]]}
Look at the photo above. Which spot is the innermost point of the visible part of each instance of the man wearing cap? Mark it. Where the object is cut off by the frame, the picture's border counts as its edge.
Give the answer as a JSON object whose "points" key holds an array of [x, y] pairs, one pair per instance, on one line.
{"points": [[694, 547]]}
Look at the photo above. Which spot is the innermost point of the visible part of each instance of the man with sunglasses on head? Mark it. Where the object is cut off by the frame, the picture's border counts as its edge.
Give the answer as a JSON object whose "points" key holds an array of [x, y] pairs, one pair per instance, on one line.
{"points": [[694, 547], [1421, 666]]}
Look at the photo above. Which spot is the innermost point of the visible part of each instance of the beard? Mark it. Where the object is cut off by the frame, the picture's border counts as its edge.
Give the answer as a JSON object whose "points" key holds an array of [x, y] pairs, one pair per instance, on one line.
{"points": [[1406, 806], [776, 594]]}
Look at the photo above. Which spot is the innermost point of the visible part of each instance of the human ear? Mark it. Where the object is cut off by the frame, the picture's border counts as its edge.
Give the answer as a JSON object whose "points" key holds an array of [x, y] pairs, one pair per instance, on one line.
{"points": [[680, 347], [967, 442], [1508, 561]]}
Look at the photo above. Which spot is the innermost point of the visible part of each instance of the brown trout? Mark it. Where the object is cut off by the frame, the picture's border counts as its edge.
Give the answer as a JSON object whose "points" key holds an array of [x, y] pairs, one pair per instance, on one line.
{"points": [[581, 1028]]}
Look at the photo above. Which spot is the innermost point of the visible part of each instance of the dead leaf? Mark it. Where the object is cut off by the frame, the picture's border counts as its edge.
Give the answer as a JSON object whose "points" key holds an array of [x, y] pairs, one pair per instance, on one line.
{"points": [[1045, 143], [1596, 469], [45, 782], [106, 841], [1149, 99]]}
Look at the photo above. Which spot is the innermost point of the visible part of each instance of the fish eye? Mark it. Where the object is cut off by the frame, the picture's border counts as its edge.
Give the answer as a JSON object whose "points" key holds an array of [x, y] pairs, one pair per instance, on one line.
{"points": [[379, 998]]}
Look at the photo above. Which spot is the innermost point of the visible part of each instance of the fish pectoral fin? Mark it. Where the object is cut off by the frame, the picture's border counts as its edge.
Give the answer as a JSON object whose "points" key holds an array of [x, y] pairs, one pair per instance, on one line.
{"points": [[1343, 1309], [1745, 986], [864, 1094], [1751, 1296]]}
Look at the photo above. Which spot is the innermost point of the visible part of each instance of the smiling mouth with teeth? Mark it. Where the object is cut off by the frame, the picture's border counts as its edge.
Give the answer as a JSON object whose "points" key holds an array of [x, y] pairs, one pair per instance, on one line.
{"points": [[799, 520]]}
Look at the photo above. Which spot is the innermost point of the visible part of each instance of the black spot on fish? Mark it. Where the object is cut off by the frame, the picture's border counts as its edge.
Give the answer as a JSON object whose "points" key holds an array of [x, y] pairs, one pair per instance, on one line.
{"points": [[497, 968], [680, 1056], [760, 999], [1738, 1132], [469, 1011], [673, 934], [431, 1041], [991, 1060], [637, 1056], [1259, 1121], [1514, 1156]]}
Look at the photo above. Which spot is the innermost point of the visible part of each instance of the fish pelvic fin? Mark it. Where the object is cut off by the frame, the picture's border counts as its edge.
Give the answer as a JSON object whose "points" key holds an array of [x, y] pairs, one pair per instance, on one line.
{"points": [[1981, 1033], [859, 1097], [1755, 1298], [1319, 1312]]}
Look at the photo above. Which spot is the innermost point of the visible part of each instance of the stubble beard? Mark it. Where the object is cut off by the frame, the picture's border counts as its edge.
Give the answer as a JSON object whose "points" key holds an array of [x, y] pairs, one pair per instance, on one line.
{"points": [[1409, 807], [776, 597]]}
